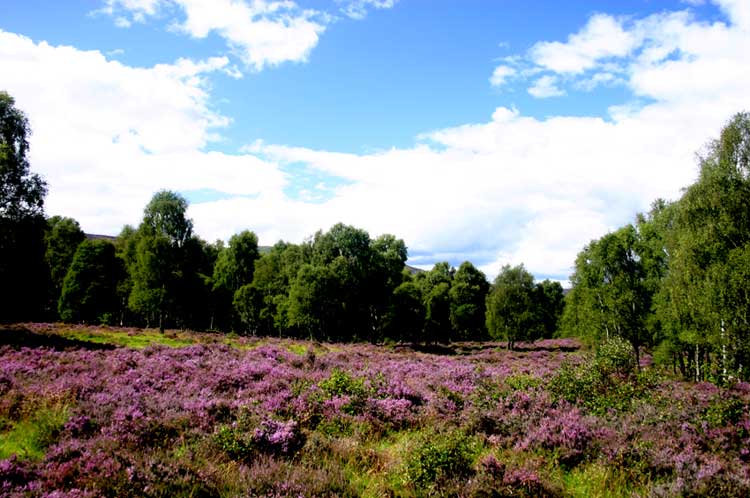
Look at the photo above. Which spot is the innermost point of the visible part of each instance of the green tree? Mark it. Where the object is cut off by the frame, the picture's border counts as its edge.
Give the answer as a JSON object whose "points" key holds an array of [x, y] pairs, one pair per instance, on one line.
{"points": [[233, 269], [611, 295], [406, 314], [468, 296], [23, 274], [510, 306], [702, 304], [385, 274], [435, 286], [158, 268], [313, 305], [21, 192], [549, 303], [90, 288], [61, 240]]}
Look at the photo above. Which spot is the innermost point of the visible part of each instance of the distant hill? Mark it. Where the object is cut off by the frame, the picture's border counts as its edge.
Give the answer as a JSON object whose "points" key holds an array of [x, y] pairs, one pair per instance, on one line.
{"points": [[96, 236]]}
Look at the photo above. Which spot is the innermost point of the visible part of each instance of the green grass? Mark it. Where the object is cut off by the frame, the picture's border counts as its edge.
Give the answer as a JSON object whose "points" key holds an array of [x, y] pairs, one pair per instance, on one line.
{"points": [[599, 481], [142, 339], [29, 437], [299, 349]]}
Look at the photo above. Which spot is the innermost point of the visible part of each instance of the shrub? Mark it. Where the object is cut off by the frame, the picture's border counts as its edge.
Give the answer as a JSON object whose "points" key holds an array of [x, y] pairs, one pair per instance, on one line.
{"points": [[439, 457], [608, 381]]}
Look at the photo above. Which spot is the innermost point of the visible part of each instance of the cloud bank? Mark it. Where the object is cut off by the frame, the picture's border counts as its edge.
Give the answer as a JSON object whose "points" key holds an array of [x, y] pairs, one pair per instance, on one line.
{"points": [[510, 189]]}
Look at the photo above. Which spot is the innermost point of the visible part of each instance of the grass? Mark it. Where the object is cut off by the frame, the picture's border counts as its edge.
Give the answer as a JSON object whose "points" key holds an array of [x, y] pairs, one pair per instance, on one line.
{"points": [[29, 437], [597, 481], [140, 340]]}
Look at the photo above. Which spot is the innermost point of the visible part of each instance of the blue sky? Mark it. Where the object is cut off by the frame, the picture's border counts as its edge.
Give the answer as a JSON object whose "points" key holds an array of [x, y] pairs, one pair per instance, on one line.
{"points": [[285, 117]]}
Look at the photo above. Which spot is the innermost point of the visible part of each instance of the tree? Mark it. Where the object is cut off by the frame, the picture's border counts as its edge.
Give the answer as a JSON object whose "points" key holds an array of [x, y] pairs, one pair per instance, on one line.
{"points": [[314, 307], [159, 259], [21, 192], [90, 288], [61, 240], [23, 275], [233, 269], [235, 264], [406, 314], [510, 306], [549, 303], [702, 302], [611, 291], [347, 253], [126, 250], [435, 286], [468, 295]]}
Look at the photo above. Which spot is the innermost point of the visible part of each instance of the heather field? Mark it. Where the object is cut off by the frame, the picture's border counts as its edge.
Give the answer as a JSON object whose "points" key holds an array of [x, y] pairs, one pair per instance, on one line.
{"points": [[88, 412]]}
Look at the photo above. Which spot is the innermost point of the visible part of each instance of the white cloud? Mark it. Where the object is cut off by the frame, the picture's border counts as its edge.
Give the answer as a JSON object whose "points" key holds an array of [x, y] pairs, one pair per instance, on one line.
{"points": [[510, 189], [518, 189], [602, 37], [738, 12], [106, 136], [357, 9], [261, 32], [501, 74], [545, 87], [598, 79]]}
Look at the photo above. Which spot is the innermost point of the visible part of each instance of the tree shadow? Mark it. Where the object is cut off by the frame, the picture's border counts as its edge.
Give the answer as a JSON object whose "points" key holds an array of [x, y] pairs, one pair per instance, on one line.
{"points": [[21, 337], [436, 349]]}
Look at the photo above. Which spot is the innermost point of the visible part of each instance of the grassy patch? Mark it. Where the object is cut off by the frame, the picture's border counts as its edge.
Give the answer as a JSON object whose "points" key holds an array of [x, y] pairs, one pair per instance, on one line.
{"points": [[299, 349], [598, 481], [29, 437], [142, 339]]}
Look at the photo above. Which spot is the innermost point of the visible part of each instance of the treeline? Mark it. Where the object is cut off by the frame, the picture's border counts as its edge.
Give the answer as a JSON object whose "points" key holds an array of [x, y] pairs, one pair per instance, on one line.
{"points": [[677, 279], [340, 285]]}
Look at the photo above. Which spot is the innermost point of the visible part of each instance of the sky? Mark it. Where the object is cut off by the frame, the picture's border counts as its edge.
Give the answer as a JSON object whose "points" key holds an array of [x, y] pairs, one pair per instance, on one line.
{"points": [[495, 131]]}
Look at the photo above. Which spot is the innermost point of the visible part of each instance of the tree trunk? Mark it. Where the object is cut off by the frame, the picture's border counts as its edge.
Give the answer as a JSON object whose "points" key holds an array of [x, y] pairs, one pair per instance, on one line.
{"points": [[681, 364], [637, 351], [697, 364]]}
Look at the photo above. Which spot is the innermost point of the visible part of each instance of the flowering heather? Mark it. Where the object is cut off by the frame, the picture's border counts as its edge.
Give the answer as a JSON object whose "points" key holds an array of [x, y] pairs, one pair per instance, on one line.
{"points": [[234, 417]]}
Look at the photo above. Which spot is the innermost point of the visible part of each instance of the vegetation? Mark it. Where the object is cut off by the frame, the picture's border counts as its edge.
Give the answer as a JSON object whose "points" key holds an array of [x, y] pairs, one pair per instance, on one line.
{"points": [[93, 409], [676, 280], [255, 417]]}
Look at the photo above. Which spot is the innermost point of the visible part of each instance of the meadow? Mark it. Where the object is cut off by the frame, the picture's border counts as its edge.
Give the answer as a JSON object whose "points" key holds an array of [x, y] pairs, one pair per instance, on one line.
{"points": [[101, 411]]}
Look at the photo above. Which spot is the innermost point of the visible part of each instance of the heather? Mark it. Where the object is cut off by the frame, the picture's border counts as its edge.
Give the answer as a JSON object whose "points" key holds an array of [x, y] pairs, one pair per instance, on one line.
{"points": [[274, 417]]}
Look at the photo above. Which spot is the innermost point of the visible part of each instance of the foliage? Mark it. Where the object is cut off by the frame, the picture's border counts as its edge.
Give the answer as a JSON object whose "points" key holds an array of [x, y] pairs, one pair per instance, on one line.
{"points": [[90, 289], [605, 382], [23, 271], [21, 192], [437, 458], [203, 417], [467, 302], [510, 306], [62, 237]]}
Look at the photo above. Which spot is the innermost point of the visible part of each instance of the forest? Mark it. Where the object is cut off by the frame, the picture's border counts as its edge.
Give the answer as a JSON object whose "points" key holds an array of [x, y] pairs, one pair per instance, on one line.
{"points": [[339, 285], [157, 364], [672, 281]]}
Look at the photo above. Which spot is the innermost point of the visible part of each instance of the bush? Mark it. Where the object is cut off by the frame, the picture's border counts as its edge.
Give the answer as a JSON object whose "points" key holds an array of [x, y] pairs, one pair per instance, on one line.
{"points": [[608, 381], [342, 385], [438, 458], [615, 356]]}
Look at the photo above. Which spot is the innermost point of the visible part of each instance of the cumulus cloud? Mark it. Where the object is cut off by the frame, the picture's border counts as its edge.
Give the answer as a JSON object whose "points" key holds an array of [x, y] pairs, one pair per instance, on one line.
{"points": [[607, 49], [603, 36], [261, 33], [107, 135], [508, 189], [501, 74], [545, 87], [519, 189], [357, 9]]}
